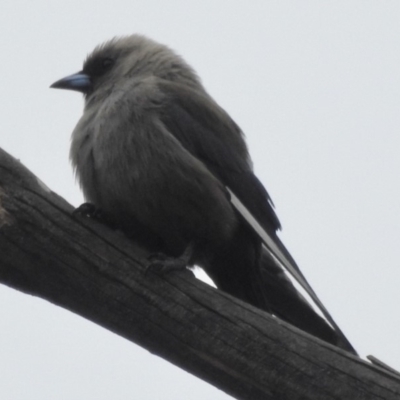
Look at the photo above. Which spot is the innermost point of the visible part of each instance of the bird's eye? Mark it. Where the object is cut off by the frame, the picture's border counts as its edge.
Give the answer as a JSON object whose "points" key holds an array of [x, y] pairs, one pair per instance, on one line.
{"points": [[107, 63], [96, 67]]}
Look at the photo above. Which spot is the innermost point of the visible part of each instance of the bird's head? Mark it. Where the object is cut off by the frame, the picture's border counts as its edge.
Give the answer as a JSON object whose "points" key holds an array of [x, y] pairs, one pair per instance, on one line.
{"points": [[131, 57]]}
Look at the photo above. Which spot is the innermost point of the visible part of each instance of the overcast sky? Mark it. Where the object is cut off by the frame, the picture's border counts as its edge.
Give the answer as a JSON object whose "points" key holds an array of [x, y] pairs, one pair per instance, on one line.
{"points": [[314, 85]]}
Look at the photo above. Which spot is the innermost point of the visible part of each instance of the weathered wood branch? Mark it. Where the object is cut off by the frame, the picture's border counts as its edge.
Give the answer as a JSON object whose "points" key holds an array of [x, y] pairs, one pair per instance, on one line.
{"points": [[84, 267]]}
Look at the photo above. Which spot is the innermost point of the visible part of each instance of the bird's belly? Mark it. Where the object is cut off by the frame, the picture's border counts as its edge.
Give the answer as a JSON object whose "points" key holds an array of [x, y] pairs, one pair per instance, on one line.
{"points": [[172, 198]]}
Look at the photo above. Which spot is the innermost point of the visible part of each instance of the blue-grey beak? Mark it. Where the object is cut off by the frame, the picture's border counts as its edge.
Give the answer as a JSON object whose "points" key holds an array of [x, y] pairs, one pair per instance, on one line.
{"points": [[79, 82]]}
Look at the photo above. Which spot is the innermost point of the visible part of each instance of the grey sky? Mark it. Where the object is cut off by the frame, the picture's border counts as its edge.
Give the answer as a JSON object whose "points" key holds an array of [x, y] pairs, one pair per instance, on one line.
{"points": [[314, 85]]}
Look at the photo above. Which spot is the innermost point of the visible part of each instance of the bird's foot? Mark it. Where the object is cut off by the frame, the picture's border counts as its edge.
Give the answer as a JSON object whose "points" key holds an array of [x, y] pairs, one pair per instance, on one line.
{"points": [[91, 211], [87, 210], [163, 264]]}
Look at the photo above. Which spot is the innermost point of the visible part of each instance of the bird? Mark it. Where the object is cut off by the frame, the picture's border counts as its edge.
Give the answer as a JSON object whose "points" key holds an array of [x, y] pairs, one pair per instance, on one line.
{"points": [[158, 158]]}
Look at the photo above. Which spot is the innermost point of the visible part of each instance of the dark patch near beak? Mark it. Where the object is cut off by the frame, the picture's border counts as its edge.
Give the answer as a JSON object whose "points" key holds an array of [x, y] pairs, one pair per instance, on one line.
{"points": [[80, 82]]}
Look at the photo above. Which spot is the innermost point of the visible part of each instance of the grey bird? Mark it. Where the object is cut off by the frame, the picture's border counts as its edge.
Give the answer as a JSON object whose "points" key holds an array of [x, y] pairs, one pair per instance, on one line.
{"points": [[163, 161]]}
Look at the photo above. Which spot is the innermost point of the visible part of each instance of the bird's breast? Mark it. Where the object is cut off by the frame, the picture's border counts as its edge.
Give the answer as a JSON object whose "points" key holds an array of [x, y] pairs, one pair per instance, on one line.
{"points": [[131, 166]]}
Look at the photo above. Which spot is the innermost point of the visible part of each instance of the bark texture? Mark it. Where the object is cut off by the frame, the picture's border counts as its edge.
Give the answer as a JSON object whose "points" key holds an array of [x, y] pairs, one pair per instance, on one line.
{"points": [[97, 273]]}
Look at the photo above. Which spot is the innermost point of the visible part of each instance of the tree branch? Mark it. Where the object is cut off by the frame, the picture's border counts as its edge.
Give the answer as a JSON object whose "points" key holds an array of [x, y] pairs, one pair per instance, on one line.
{"points": [[84, 267]]}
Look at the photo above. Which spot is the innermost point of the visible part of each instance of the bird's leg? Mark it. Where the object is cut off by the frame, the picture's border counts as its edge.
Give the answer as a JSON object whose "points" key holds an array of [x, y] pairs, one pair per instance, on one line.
{"points": [[86, 210], [163, 264], [91, 211]]}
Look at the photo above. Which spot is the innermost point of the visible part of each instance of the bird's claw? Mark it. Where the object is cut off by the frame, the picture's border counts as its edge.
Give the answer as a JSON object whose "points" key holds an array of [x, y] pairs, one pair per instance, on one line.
{"points": [[91, 211], [87, 210], [162, 264]]}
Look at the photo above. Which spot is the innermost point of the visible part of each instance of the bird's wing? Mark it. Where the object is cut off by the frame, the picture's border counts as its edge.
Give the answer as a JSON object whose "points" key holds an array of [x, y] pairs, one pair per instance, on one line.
{"points": [[274, 247], [204, 129]]}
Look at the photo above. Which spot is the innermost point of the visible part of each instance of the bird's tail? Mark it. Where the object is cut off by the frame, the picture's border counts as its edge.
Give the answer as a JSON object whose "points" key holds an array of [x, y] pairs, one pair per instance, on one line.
{"points": [[284, 299], [235, 269], [259, 280], [287, 303]]}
